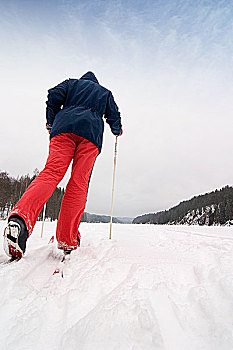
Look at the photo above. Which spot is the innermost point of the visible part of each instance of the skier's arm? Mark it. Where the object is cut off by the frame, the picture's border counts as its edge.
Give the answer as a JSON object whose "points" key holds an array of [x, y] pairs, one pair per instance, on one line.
{"points": [[112, 116], [56, 98]]}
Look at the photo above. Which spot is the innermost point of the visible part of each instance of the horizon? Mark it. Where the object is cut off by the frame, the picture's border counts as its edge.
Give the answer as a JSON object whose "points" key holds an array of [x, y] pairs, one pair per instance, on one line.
{"points": [[154, 212]]}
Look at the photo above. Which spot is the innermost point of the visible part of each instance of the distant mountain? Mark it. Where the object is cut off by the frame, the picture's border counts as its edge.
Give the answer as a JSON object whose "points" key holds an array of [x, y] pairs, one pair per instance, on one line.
{"points": [[94, 218], [125, 220], [213, 208]]}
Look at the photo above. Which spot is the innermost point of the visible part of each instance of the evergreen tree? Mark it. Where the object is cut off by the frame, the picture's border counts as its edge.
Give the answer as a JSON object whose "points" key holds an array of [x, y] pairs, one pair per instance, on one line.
{"points": [[211, 208]]}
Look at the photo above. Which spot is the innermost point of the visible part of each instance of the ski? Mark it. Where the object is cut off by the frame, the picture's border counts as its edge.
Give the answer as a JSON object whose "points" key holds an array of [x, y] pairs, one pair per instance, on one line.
{"points": [[60, 269], [15, 259], [10, 261]]}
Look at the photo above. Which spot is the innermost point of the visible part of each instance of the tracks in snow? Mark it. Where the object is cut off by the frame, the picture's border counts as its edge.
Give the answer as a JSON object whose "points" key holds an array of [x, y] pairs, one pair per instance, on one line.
{"points": [[149, 291]]}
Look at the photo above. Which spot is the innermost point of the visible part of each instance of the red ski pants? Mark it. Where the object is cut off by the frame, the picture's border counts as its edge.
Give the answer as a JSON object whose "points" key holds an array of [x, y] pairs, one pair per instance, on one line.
{"points": [[62, 149]]}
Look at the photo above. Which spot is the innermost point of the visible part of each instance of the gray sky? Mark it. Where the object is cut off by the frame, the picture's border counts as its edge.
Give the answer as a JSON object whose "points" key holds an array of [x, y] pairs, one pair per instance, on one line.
{"points": [[169, 66]]}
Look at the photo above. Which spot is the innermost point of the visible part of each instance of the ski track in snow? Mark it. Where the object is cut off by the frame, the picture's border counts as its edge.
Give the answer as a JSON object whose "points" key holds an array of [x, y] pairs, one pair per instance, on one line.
{"points": [[150, 287]]}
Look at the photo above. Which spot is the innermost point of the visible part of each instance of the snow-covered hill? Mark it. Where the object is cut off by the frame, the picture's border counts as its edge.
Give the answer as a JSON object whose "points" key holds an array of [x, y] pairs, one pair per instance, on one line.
{"points": [[150, 287]]}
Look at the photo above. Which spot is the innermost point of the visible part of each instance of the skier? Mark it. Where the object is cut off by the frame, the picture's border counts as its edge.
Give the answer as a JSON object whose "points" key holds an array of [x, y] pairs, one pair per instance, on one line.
{"points": [[74, 114]]}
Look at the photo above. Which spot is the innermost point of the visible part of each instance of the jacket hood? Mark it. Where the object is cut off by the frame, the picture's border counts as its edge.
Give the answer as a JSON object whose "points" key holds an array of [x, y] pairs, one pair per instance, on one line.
{"points": [[90, 76]]}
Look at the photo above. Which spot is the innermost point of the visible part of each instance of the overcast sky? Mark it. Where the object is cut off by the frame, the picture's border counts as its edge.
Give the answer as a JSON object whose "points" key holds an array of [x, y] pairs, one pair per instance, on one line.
{"points": [[169, 64]]}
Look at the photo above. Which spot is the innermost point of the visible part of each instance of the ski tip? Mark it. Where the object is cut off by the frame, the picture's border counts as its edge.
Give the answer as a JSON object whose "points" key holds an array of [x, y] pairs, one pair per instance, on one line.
{"points": [[51, 240], [59, 272]]}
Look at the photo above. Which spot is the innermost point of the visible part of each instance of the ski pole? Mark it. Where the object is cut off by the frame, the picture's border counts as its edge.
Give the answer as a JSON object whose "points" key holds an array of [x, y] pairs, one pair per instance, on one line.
{"points": [[113, 183], [42, 228]]}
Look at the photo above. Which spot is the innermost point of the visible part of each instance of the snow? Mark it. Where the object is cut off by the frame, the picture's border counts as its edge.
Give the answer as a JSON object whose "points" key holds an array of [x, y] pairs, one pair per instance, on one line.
{"points": [[150, 287]]}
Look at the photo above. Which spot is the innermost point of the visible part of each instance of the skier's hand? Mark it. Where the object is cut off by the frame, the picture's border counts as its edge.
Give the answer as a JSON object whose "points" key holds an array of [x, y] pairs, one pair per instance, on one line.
{"points": [[120, 133], [49, 127]]}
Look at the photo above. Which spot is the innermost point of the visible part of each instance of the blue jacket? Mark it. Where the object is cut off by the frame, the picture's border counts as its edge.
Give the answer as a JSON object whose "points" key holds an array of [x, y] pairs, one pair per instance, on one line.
{"points": [[78, 106]]}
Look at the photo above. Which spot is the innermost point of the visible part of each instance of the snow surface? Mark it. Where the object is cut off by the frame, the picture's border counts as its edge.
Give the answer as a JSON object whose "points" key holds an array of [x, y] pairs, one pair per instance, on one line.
{"points": [[150, 287]]}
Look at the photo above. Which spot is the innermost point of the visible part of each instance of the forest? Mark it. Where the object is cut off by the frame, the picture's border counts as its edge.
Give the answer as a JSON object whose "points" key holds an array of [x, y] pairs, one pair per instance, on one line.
{"points": [[213, 208], [11, 190]]}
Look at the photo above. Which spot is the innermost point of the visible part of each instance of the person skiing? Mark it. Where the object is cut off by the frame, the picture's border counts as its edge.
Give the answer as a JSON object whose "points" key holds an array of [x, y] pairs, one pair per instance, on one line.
{"points": [[74, 113]]}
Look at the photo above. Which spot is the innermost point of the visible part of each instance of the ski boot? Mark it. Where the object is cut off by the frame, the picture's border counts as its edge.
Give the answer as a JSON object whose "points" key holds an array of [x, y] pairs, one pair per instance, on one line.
{"points": [[67, 251], [15, 237]]}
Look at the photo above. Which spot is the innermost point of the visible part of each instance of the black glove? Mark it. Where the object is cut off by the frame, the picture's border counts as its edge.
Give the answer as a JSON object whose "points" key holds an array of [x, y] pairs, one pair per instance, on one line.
{"points": [[49, 127], [120, 133]]}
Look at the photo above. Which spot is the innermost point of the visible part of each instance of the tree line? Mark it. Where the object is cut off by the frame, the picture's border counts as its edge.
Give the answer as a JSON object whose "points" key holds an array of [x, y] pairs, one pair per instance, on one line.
{"points": [[12, 189], [211, 208]]}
